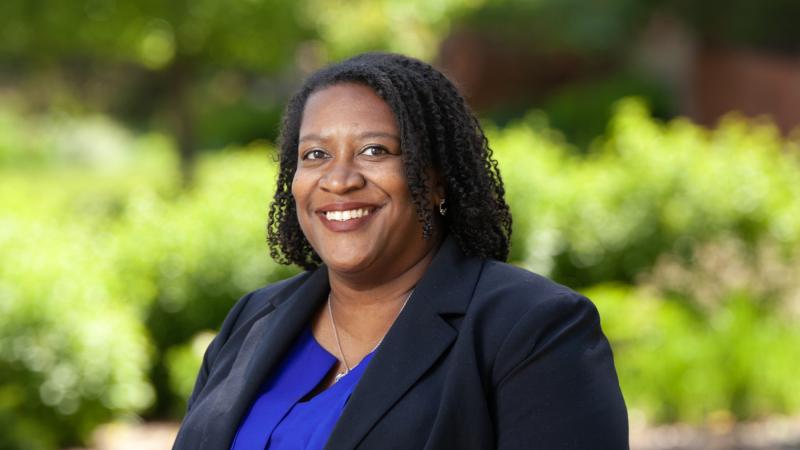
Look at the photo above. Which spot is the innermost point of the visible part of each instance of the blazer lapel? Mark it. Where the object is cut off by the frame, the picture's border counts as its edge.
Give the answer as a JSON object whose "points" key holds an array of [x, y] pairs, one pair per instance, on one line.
{"points": [[263, 348], [417, 339]]}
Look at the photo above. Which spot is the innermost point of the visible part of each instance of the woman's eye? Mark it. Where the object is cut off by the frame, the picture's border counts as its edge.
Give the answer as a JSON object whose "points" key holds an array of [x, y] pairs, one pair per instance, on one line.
{"points": [[374, 150], [314, 154]]}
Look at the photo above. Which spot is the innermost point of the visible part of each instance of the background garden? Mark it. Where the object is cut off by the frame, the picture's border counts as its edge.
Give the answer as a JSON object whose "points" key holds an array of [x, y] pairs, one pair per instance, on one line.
{"points": [[137, 163]]}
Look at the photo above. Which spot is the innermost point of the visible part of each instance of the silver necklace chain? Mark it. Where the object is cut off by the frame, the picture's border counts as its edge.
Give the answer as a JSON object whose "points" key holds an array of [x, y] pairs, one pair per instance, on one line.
{"points": [[339, 343]]}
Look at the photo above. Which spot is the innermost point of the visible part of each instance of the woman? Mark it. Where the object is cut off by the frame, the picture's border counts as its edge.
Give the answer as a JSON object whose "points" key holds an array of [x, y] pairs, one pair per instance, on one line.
{"points": [[406, 331]]}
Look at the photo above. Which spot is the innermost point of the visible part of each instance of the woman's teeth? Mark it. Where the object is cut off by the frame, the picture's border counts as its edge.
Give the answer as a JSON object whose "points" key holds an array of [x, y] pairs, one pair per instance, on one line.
{"points": [[341, 216]]}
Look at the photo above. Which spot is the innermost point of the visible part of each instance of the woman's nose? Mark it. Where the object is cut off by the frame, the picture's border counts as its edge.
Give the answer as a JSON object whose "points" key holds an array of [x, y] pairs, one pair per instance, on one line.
{"points": [[342, 177]]}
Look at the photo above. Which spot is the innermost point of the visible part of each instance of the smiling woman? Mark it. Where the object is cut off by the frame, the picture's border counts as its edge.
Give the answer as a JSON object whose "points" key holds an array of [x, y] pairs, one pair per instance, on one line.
{"points": [[353, 201], [407, 330]]}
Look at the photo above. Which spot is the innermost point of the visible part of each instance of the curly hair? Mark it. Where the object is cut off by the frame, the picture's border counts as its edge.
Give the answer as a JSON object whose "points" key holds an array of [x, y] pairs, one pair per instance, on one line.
{"points": [[437, 130]]}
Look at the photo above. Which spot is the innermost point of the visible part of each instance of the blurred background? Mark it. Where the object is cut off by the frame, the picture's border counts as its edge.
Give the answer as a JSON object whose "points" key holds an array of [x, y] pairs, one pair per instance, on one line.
{"points": [[649, 149]]}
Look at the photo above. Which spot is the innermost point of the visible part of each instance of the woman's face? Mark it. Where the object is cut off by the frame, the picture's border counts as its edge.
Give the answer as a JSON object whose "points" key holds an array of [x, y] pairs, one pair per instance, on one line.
{"points": [[353, 201]]}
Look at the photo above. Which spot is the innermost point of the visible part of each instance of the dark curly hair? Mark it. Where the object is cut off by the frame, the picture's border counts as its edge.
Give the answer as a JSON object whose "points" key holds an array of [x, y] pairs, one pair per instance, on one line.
{"points": [[437, 130]]}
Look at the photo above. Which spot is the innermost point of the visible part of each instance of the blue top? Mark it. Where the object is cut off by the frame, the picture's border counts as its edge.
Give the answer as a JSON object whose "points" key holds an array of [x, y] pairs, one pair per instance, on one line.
{"points": [[280, 419]]}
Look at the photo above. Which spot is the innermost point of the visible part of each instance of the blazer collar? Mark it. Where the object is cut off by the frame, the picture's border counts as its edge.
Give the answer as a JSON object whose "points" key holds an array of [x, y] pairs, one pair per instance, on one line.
{"points": [[413, 344], [276, 326]]}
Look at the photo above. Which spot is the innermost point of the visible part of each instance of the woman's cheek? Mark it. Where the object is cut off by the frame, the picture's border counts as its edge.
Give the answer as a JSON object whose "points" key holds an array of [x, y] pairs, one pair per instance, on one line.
{"points": [[301, 194]]}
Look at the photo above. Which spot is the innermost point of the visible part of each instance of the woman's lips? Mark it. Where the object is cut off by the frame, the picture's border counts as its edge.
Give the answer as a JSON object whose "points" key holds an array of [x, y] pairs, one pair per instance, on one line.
{"points": [[346, 216]]}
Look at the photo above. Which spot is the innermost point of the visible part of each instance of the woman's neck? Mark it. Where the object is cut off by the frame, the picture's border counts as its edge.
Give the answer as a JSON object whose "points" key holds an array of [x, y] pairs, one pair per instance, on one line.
{"points": [[365, 291], [364, 311]]}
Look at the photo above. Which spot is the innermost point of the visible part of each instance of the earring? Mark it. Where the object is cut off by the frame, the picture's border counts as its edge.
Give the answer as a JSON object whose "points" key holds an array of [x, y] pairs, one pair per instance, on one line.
{"points": [[442, 208]]}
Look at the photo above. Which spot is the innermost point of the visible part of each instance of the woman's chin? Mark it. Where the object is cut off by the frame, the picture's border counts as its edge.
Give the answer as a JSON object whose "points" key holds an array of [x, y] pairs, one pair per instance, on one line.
{"points": [[347, 264]]}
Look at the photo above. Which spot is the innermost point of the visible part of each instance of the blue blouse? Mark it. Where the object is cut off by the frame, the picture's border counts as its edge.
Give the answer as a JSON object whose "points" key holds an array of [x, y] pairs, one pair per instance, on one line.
{"points": [[280, 418]]}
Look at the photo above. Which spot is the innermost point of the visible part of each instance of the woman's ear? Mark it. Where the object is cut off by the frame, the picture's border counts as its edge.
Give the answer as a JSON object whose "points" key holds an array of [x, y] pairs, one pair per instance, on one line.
{"points": [[438, 195], [437, 191]]}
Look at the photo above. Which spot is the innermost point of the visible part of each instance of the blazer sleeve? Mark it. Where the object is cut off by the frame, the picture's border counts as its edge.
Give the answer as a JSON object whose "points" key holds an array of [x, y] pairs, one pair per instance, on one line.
{"points": [[214, 347], [556, 385]]}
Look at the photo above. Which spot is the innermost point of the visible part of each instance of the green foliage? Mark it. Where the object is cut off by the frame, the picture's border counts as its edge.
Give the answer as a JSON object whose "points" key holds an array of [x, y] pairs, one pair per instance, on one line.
{"points": [[582, 110], [412, 27], [259, 34], [675, 364], [106, 267], [190, 258], [193, 256], [648, 189], [152, 33], [183, 363], [73, 352]]}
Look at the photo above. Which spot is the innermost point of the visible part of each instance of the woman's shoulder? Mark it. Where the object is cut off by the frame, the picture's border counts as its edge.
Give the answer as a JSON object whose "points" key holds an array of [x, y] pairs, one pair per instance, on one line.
{"points": [[514, 305], [547, 360], [524, 316], [254, 302], [505, 286]]}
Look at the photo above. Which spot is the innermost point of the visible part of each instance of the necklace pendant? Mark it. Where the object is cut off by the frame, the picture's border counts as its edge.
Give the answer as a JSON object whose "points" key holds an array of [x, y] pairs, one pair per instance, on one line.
{"points": [[339, 376]]}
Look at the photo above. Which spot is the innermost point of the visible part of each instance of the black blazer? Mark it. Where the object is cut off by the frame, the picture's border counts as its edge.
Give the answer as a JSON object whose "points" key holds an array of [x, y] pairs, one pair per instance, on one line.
{"points": [[484, 355]]}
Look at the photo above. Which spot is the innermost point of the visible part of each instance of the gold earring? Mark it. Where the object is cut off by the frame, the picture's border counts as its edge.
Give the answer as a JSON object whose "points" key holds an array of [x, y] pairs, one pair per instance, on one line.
{"points": [[442, 208]]}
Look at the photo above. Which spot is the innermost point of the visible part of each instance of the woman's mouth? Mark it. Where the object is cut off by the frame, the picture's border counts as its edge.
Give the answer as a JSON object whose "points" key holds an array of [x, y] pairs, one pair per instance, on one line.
{"points": [[346, 217], [349, 214]]}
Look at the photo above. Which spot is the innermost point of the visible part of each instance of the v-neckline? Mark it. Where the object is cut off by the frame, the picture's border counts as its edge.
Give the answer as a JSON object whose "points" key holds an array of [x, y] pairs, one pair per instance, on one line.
{"points": [[356, 370]]}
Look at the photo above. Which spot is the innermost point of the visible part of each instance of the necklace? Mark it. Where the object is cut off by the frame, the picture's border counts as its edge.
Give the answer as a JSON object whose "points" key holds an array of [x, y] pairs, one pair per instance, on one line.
{"points": [[339, 343]]}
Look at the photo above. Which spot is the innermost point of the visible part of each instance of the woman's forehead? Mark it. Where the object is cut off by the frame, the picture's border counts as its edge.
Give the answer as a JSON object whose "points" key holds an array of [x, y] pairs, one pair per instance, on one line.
{"points": [[346, 107]]}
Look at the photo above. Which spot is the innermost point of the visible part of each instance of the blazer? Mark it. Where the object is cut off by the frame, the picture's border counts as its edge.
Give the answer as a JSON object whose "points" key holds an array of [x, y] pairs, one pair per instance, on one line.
{"points": [[484, 355]]}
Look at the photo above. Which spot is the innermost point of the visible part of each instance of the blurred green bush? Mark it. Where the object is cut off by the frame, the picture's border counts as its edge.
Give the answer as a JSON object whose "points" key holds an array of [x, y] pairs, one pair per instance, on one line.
{"points": [[647, 189], [108, 268], [113, 276], [677, 365]]}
